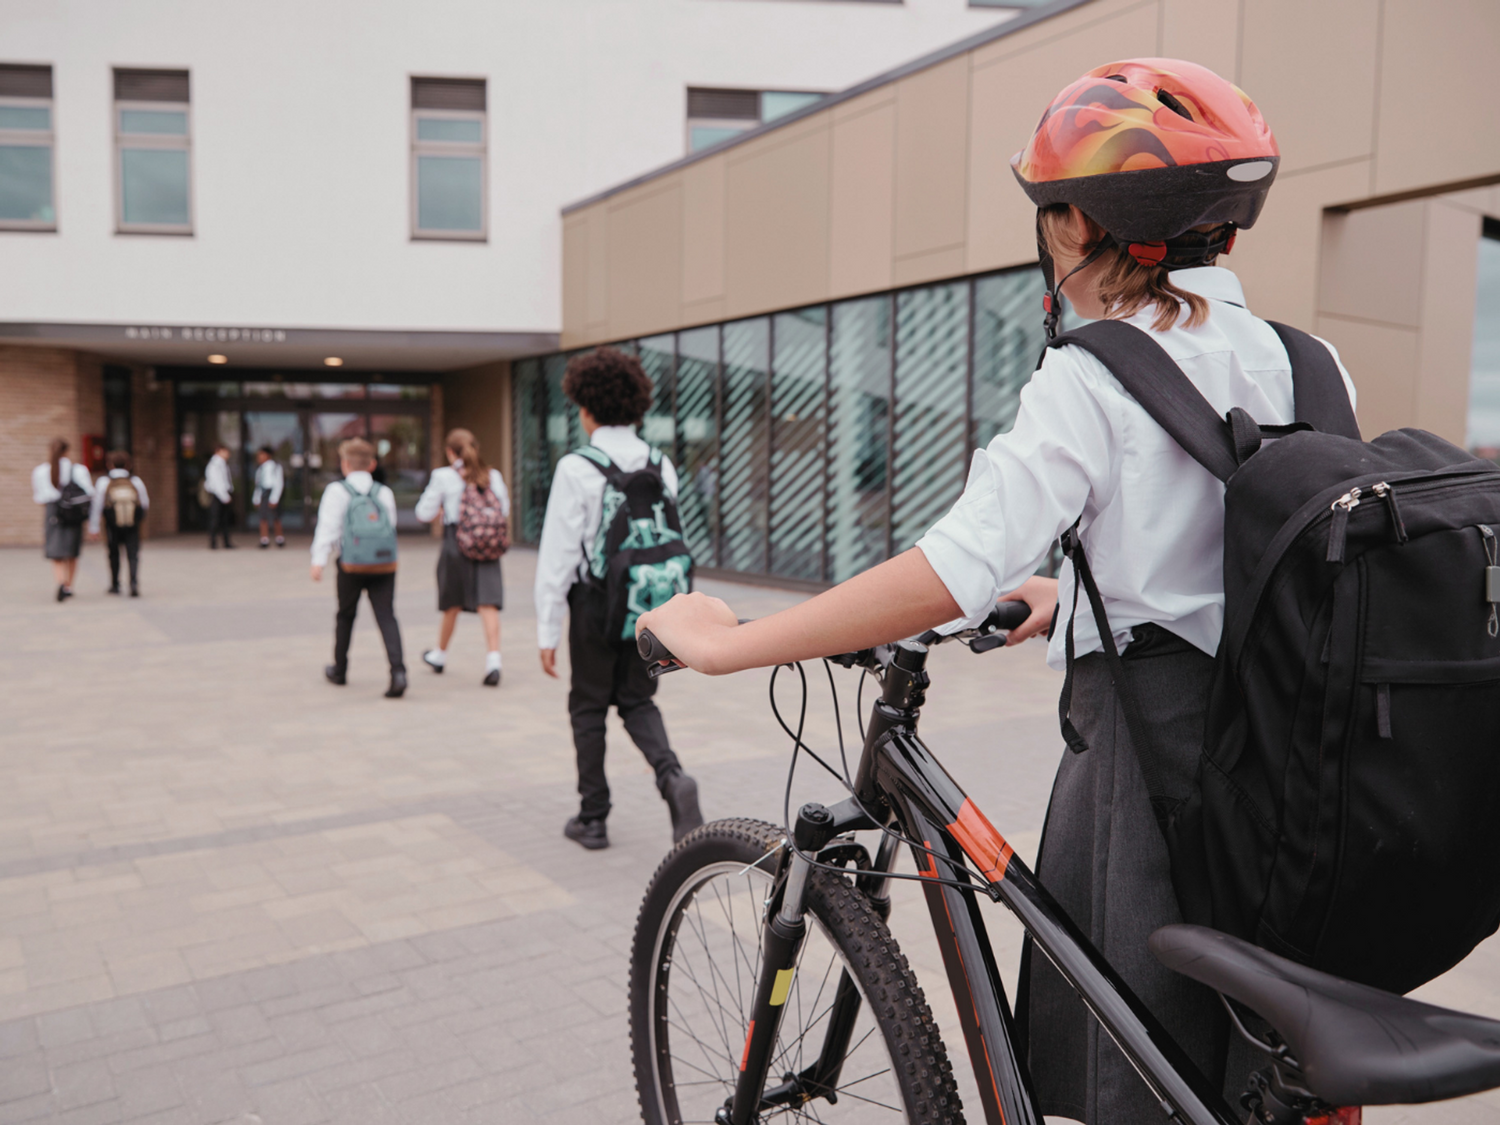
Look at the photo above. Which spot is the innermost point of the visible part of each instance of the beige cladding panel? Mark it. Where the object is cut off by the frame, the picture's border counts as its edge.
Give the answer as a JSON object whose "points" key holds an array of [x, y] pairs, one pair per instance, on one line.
{"points": [[1009, 94], [703, 231], [1311, 68], [1202, 31], [1380, 358], [932, 126], [575, 277], [776, 225], [645, 258], [1372, 264], [1437, 122], [1277, 261], [862, 196]]}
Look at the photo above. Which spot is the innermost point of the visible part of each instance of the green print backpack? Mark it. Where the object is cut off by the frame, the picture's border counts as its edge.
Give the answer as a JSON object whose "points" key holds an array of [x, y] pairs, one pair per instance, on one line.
{"points": [[638, 557]]}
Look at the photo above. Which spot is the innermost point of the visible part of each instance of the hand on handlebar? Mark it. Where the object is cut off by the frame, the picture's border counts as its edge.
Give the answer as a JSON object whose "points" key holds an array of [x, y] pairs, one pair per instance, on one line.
{"points": [[690, 626], [1041, 595]]}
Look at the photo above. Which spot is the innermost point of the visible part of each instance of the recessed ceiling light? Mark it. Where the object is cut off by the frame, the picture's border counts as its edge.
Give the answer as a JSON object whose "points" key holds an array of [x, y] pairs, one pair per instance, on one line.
{"points": [[333, 361], [218, 359]]}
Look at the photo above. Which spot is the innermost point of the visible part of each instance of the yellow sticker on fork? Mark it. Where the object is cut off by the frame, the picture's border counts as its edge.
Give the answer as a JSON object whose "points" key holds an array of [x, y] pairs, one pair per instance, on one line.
{"points": [[782, 986]]}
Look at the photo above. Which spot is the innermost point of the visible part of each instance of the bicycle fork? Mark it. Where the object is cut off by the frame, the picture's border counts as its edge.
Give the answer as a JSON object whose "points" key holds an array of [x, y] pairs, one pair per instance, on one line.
{"points": [[781, 946]]}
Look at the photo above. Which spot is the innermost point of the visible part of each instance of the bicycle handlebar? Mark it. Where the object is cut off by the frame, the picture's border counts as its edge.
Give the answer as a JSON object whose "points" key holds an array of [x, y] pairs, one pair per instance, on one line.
{"points": [[1003, 618]]}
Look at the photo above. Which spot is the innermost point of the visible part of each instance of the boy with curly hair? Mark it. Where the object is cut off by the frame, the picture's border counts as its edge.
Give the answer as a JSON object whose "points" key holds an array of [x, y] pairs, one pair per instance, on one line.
{"points": [[612, 394]]}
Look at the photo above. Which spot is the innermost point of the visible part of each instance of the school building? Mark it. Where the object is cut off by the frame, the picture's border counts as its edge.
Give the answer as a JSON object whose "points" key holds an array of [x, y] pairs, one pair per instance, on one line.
{"points": [[839, 306], [836, 295], [285, 224]]}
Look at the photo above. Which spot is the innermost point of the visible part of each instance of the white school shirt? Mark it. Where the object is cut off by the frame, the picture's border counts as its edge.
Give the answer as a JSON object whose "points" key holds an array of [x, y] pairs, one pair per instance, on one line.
{"points": [[1153, 518], [97, 507], [445, 491], [216, 478], [574, 508], [268, 478], [333, 506], [41, 480]]}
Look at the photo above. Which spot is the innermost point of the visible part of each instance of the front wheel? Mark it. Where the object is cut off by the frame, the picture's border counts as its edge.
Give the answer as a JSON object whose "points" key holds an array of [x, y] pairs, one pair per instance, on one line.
{"points": [[693, 971]]}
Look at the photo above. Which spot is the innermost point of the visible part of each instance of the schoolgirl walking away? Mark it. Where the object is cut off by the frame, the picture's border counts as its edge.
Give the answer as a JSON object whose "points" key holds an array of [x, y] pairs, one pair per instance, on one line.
{"points": [[65, 492], [1141, 171], [474, 504], [120, 503]]}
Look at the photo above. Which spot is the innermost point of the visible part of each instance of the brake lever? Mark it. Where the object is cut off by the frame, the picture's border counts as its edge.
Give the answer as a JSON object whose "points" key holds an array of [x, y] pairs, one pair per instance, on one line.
{"points": [[988, 643]]}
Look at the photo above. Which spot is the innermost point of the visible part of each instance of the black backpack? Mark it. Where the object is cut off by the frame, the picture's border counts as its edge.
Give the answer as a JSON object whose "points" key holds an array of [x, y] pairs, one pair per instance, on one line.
{"points": [[639, 558], [1347, 811], [73, 504]]}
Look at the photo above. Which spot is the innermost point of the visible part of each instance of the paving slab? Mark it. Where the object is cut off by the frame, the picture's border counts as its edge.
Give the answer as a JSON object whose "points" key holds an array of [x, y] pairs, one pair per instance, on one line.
{"points": [[230, 891]]}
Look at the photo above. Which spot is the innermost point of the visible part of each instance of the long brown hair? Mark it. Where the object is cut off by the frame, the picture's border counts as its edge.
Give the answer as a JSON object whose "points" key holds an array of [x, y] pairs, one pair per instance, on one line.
{"points": [[55, 453], [1125, 286], [465, 446]]}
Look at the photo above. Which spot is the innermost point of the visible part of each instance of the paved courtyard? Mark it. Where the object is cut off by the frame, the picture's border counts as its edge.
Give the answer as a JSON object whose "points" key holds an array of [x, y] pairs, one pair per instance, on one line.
{"points": [[230, 892]]}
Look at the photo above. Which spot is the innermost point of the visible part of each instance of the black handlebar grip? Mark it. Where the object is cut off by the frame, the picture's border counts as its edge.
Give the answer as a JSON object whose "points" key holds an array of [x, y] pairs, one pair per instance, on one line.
{"points": [[1011, 615], [652, 650]]}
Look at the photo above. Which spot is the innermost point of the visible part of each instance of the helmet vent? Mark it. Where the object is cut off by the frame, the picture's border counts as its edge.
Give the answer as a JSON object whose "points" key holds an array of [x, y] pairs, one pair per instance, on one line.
{"points": [[1173, 104]]}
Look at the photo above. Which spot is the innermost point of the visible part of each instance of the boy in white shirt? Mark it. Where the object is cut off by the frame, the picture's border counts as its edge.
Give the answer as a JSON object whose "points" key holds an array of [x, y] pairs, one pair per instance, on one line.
{"points": [[121, 499], [218, 482], [612, 393], [356, 459], [269, 481]]}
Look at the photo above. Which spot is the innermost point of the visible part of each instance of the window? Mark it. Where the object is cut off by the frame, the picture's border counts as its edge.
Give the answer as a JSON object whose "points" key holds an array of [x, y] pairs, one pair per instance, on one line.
{"points": [[717, 115], [26, 201], [152, 152], [449, 173], [1484, 375]]}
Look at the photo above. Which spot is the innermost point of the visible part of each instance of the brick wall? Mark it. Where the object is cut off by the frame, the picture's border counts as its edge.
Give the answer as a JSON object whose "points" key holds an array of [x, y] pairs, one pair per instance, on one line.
{"points": [[38, 402]]}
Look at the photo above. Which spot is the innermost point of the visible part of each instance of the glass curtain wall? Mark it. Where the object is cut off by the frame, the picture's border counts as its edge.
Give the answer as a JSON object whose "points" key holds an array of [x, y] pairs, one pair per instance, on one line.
{"points": [[812, 443]]}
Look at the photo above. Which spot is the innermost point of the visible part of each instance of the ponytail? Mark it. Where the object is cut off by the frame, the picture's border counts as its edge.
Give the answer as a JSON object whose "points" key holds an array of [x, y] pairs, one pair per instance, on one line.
{"points": [[55, 453], [465, 446]]}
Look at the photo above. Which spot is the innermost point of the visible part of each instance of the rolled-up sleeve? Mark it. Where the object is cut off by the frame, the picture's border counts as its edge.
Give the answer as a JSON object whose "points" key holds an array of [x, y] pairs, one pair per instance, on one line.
{"points": [[1028, 486]]}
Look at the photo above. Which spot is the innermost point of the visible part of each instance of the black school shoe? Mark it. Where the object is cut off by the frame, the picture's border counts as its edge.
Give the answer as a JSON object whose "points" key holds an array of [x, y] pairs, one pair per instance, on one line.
{"points": [[438, 668], [681, 794], [334, 674], [589, 833], [398, 685], [63, 593], [135, 591], [115, 589], [491, 678]]}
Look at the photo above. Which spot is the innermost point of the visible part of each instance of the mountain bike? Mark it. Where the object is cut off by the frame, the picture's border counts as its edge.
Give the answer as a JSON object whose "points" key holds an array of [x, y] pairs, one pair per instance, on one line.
{"points": [[765, 985]]}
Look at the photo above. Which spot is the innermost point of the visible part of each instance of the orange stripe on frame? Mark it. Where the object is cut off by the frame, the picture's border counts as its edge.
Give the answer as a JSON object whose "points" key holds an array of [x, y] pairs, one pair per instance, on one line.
{"points": [[749, 1035], [981, 842]]}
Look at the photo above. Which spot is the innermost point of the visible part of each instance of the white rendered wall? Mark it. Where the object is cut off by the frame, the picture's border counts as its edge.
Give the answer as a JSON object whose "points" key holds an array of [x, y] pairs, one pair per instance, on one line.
{"points": [[301, 142]]}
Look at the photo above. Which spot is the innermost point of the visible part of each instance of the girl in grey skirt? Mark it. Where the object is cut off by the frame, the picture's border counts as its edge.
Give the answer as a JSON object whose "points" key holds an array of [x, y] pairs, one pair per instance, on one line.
{"points": [[62, 540], [464, 585]]}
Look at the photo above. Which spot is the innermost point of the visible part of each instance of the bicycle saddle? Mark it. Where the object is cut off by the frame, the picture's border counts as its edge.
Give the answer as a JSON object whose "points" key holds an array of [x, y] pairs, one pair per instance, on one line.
{"points": [[1355, 1045]]}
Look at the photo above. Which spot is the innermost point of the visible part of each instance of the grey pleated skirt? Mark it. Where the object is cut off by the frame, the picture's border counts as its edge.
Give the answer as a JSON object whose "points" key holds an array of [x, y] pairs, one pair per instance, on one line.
{"points": [[1104, 858], [464, 583], [62, 541]]}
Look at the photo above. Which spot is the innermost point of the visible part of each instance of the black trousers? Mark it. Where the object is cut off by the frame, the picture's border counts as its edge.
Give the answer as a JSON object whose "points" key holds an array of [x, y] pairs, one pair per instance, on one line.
{"points": [[608, 674], [130, 539], [381, 589], [220, 519]]}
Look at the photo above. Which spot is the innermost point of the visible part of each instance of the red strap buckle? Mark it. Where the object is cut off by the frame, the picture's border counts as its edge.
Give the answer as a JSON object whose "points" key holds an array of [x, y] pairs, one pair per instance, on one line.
{"points": [[1148, 253]]}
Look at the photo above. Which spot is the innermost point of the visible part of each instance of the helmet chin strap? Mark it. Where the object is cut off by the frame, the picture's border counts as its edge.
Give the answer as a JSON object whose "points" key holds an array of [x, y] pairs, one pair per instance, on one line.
{"points": [[1052, 301]]}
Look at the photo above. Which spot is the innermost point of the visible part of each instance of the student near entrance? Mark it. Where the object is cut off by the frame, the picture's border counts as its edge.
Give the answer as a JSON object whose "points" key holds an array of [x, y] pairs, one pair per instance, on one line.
{"points": [[359, 517], [1086, 460], [218, 489], [65, 491], [120, 503], [611, 518], [270, 480]]}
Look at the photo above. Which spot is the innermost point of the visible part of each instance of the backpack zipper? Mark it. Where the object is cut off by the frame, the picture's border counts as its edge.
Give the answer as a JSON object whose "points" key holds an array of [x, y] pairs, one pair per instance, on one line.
{"points": [[1338, 527], [1388, 493], [1491, 579]]}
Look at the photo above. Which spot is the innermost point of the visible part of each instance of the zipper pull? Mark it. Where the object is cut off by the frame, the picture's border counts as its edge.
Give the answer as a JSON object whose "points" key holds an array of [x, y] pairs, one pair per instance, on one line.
{"points": [[1338, 528], [1388, 494], [1491, 579]]}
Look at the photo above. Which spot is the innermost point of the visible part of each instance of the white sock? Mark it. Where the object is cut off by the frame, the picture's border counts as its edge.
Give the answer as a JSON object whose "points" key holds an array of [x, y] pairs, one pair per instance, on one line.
{"points": [[437, 657], [492, 662]]}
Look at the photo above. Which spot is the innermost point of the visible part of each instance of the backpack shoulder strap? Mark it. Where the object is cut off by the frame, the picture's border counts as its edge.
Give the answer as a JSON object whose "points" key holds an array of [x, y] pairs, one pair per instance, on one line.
{"points": [[1156, 382], [353, 492], [1317, 385]]}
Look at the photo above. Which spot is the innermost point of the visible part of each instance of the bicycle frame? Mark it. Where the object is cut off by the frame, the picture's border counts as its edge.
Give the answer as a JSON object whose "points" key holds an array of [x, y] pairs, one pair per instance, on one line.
{"points": [[901, 783]]}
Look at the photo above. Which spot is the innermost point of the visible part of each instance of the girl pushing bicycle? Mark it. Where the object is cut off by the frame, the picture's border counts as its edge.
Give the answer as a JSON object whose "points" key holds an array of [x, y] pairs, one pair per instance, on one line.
{"points": [[1142, 171]]}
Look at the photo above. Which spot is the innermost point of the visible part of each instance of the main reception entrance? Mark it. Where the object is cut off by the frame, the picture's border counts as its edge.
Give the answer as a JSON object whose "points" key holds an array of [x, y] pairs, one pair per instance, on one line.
{"points": [[302, 420]]}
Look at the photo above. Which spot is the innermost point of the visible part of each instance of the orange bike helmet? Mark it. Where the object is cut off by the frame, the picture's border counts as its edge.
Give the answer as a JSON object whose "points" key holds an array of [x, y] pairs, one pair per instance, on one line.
{"points": [[1150, 148]]}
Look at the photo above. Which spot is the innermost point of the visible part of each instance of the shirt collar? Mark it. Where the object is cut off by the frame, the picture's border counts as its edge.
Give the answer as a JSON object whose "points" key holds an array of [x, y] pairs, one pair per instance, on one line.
{"points": [[118, 473], [361, 480], [1214, 282], [614, 437]]}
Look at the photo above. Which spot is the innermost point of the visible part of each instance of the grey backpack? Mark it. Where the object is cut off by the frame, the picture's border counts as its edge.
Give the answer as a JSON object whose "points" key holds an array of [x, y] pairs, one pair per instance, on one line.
{"points": [[369, 543]]}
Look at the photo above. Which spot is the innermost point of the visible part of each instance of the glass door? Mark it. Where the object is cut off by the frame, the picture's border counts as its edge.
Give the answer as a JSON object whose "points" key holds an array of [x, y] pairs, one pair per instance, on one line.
{"points": [[400, 442], [324, 432], [282, 431]]}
